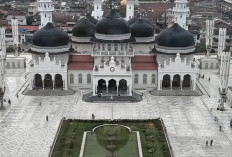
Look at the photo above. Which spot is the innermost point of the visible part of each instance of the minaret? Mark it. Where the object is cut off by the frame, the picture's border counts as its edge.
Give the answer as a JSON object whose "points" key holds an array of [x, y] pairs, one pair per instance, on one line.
{"points": [[224, 75], [45, 7], [209, 35], [130, 9], [181, 12], [221, 43], [98, 9], [2, 64], [15, 33]]}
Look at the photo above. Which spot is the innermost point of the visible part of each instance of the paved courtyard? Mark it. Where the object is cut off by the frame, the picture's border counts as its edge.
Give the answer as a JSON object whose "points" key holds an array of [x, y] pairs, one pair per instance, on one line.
{"points": [[24, 131]]}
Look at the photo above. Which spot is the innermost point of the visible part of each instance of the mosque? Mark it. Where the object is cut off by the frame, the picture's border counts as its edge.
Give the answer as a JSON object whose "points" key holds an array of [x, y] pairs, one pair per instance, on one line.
{"points": [[113, 55]]}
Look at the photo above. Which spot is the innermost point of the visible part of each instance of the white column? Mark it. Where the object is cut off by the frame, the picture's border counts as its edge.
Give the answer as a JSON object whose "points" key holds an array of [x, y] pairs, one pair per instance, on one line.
{"points": [[94, 93], [32, 83], [107, 84], [45, 8], [97, 9], [181, 12], [159, 82], [117, 84], [171, 83], [194, 83]]}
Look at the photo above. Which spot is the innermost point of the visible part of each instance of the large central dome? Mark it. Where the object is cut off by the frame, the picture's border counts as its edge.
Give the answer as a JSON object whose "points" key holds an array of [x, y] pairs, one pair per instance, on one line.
{"points": [[175, 36], [112, 24]]}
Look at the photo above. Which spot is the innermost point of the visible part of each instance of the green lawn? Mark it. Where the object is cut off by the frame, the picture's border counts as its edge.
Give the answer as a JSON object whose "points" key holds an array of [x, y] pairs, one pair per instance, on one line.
{"points": [[152, 137]]}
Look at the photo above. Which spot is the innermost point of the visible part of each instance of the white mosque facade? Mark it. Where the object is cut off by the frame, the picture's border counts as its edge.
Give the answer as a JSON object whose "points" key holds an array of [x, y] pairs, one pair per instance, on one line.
{"points": [[112, 56]]}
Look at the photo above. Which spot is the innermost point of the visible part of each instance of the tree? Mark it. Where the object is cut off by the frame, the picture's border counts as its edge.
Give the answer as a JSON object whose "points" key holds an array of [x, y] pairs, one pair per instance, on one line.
{"points": [[30, 20], [200, 47]]}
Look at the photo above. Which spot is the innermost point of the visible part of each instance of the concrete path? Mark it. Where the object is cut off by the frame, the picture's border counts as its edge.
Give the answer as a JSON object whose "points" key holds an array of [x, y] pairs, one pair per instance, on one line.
{"points": [[189, 121]]}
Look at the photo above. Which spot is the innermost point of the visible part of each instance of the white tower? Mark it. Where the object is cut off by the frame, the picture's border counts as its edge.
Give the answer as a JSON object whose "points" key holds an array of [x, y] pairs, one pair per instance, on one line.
{"points": [[224, 75], [2, 64], [209, 35], [221, 41], [15, 33], [97, 13], [181, 12], [130, 9], [45, 7]]}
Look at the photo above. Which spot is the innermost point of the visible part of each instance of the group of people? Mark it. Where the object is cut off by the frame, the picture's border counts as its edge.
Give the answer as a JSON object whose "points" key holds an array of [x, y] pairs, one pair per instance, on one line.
{"points": [[211, 142]]}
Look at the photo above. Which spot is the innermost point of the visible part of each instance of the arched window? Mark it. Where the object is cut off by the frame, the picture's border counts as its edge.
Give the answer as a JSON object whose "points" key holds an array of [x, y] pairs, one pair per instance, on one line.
{"points": [[80, 78], [71, 79], [88, 78], [136, 79], [153, 79], [144, 78]]}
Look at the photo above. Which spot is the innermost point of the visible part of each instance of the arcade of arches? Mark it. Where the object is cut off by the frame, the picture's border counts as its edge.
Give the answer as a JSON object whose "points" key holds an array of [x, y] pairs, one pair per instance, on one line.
{"points": [[48, 81], [177, 82], [112, 86]]}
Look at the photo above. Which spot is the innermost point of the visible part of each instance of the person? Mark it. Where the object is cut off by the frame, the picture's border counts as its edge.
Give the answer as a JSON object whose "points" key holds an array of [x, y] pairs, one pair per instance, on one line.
{"points": [[231, 123], [209, 79], [211, 142], [47, 118], [17, 95], [93, 116], [9, 102], [207, 143], [220, 128], [203, 76], [40, 103]]}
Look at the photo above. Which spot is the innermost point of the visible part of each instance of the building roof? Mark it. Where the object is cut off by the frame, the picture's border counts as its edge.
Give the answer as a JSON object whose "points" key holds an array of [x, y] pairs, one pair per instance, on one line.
{"points": [[175, 36], [113, 23], [84, 29], [19, 17], [141, 29], [50, 36], [29, 28], [144, 63], [80, 62]]}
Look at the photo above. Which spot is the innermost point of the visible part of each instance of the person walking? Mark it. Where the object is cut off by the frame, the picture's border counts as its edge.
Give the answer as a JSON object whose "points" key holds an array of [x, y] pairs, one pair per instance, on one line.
{"points": [[47, 118], [93, 116], [9, 101], [220, 128], [207, 143], [211, 142]]}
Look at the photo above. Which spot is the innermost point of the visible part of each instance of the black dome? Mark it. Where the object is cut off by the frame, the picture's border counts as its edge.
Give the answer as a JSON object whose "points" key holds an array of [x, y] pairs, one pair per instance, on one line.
{"points": [[90, 18], [112, 24], [135, 19], [175, 36], [141, 29], [84, 29], [50, 36]]}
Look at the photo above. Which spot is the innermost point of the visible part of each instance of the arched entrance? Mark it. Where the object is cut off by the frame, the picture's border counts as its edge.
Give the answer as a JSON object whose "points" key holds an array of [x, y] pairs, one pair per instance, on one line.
{"points": [[58, 81], [112, 88], [187, 81], [166, 81], [101, 88], [38, 81], [122, 88], [48, 81], [176, 81]]}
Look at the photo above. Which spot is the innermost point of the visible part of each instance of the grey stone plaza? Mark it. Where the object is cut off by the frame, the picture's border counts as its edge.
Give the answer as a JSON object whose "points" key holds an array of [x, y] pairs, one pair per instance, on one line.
{"points": [[189, 120]]}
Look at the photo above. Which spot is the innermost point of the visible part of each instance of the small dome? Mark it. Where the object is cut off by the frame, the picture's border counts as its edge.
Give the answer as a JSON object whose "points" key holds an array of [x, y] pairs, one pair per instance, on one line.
{"points": [[112, 24], [175, 36], [135, 19], [84, 29], [50, 36], [90, 18], [141, 29]]}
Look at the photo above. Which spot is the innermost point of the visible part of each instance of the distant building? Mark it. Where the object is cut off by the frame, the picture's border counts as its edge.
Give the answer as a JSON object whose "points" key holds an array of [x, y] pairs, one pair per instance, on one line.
{"points": [[22, 20]]}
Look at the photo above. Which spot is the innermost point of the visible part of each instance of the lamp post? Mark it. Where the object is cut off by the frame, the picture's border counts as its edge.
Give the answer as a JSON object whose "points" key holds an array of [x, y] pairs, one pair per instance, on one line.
{"points": [[224, 76]]}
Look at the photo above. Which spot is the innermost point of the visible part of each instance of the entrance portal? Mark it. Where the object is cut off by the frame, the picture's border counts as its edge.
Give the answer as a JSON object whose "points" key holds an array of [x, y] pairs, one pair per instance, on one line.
{"points": [[48, 81], [38, 81], [166, 81], [186, 81], [101, 88], [112, 88], [176, 81], [58, 81], [122, 88]]}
